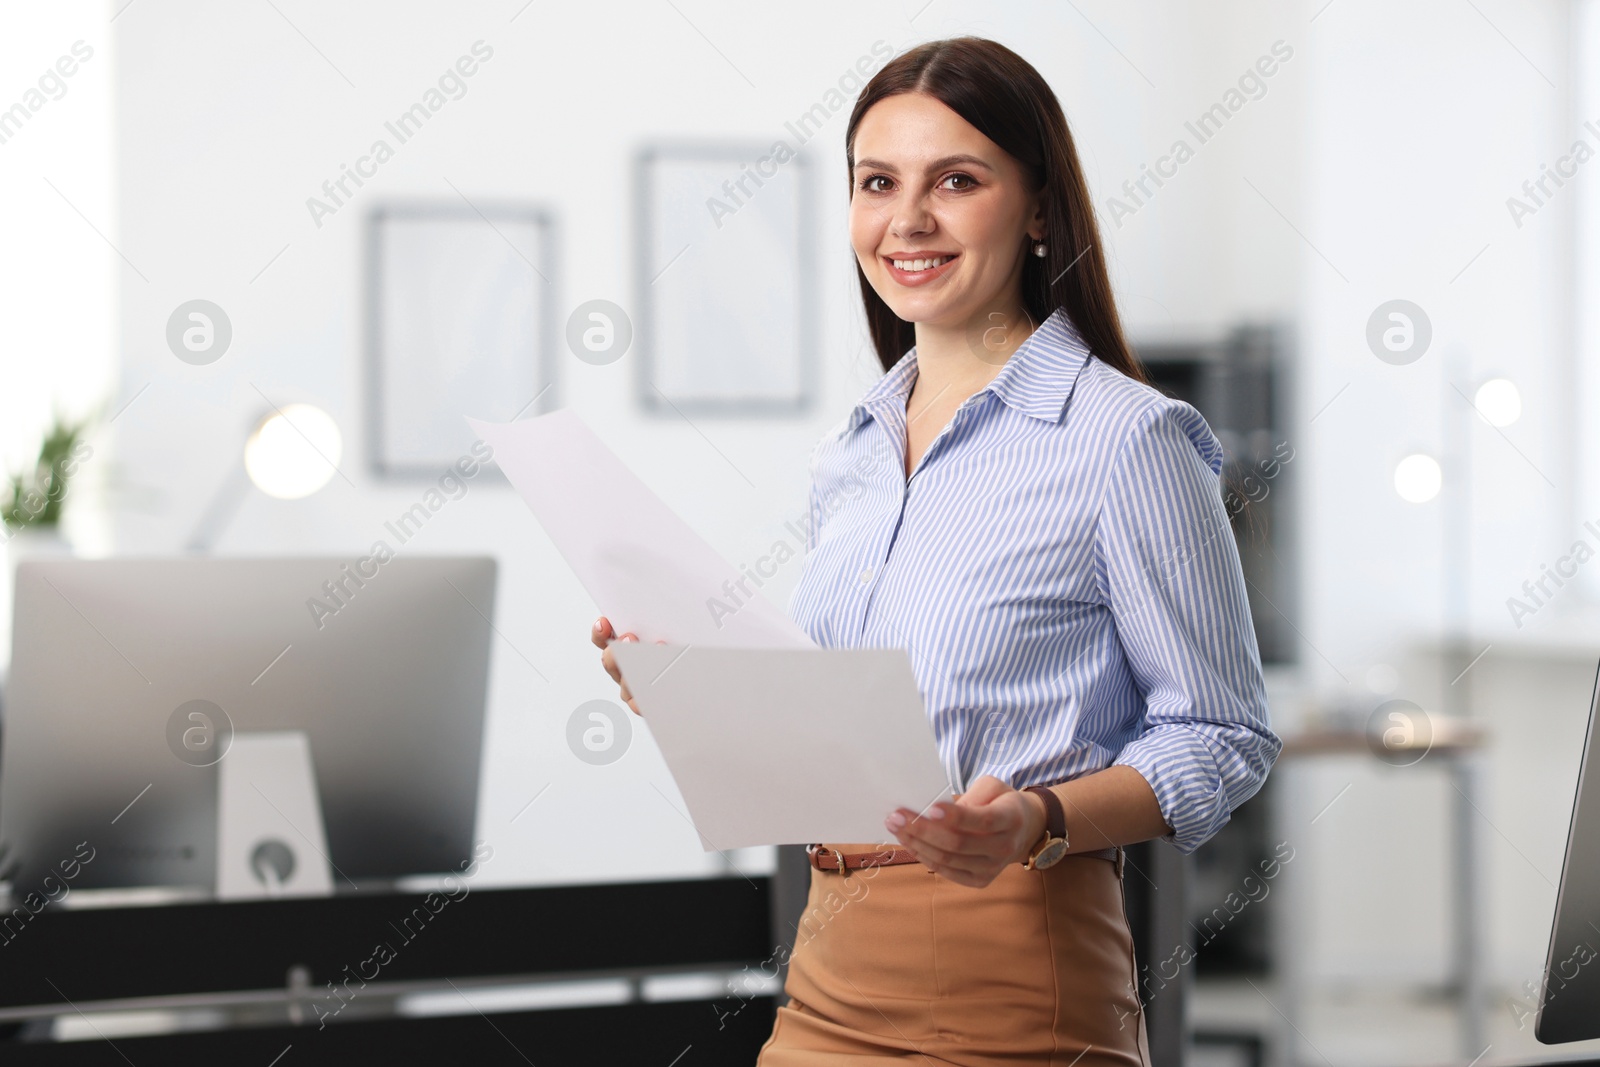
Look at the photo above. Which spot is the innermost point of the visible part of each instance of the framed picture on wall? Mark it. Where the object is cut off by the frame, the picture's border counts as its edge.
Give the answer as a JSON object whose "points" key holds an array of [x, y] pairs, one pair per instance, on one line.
{"points": [[460, 305], [726, 305]]}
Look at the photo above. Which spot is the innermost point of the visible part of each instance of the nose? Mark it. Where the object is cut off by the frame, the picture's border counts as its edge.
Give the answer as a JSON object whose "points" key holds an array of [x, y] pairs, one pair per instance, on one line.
{"points": [[911, 217]]}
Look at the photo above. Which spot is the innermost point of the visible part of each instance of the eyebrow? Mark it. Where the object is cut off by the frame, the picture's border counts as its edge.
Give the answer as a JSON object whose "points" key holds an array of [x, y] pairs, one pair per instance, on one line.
{"points": [[938, 164]]}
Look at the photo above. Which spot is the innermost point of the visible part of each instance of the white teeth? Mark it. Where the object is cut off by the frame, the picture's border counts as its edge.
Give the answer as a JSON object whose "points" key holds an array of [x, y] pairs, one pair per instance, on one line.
{"points": [[921, 264]]}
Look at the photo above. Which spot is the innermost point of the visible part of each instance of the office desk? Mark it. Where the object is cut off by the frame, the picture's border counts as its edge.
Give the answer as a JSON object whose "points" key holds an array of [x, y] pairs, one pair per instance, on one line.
{"points": [[276, 962]]}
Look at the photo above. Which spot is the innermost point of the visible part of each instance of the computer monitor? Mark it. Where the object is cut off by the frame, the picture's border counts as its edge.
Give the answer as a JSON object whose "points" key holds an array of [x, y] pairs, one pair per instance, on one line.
{"points": [[1569, 1004], [383, 665]]}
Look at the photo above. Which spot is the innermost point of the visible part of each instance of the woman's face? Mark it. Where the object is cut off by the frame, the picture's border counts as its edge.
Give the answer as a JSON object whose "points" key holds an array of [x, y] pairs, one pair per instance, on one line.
{"points": [[940, 216]]}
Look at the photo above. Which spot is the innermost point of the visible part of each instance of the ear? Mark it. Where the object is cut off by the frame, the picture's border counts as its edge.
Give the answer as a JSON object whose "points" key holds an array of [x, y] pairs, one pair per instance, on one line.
{"points": [[1036, 219]]}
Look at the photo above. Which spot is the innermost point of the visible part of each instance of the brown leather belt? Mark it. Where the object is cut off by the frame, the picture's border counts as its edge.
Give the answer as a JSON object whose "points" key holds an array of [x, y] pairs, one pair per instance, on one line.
{"points": [[827, 859]]}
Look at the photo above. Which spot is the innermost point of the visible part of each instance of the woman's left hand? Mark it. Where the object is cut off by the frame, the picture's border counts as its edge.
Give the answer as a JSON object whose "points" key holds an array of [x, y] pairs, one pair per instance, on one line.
{"points": [[971, 840]]}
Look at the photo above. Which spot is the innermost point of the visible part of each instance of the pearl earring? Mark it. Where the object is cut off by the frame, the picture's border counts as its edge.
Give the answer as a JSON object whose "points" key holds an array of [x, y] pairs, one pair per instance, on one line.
{"points": [[1039, 249]]}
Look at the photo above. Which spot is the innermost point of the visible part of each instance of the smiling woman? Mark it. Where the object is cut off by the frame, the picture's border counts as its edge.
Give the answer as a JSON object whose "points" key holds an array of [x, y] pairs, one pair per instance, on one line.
{"points": [[1045, 533], [1019, 486]]}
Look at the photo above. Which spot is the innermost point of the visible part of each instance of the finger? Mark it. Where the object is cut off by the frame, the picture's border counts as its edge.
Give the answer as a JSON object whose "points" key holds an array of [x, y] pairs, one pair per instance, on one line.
{"points": [[958, 876], [944, 828], [609, 662], [903, 830], [900, 822], [600, 634], [957, 867], [920, 837], [960, 851], [964, 818], [972, 880], [933, 856], [920, 833], [957, 860], [960, 869], [979, 809]]}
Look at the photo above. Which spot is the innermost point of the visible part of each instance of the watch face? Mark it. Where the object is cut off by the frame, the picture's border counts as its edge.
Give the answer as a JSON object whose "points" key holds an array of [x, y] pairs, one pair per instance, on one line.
{"points": [[1051, 853]]}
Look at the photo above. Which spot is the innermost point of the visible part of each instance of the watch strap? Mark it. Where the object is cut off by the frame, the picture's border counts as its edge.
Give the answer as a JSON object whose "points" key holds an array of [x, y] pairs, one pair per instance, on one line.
{"points": [[1055, 817]]}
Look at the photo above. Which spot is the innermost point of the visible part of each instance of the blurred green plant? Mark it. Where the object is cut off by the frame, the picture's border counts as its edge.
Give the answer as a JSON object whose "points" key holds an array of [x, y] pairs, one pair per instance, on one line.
{"points": [[33, 497]]}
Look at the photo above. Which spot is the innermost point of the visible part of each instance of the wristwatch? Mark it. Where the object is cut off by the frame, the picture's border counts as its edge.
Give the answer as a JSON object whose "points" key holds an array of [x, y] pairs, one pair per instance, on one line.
{"points": [[1053, 846]]}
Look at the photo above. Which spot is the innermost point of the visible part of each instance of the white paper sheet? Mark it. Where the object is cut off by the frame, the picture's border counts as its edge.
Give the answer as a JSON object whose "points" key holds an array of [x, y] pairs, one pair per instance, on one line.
{"points": [[776, 747], [648, 571]]}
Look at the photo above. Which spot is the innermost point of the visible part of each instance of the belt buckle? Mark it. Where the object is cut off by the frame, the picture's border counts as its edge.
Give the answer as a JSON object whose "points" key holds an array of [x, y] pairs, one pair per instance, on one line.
{"points": [[838, 856]]}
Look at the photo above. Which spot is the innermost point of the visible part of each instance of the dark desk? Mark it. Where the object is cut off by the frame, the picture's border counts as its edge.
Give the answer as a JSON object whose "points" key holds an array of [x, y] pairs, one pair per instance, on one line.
{"points": [[281, 959]]}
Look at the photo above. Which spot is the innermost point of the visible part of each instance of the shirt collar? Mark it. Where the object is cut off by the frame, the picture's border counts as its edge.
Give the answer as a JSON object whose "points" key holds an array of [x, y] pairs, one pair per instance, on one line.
{"points": [[1036, 380], [1039, 376]]}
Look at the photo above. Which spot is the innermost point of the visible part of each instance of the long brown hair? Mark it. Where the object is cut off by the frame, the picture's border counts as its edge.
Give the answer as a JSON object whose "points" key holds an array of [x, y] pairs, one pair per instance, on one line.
{"points": [[1004, 98]]}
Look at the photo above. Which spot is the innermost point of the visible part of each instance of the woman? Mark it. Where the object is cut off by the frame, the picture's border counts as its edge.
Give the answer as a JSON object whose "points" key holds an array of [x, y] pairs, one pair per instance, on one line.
{"points": [[1044, 532]]}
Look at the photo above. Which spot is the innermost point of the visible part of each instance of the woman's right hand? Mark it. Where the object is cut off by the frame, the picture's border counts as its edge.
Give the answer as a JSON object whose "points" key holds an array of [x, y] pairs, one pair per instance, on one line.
{"points": [[602, 635]]}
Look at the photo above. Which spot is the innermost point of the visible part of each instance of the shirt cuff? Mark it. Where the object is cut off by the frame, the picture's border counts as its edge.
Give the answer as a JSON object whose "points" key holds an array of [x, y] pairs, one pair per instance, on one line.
{"points": [[1183, 772]]}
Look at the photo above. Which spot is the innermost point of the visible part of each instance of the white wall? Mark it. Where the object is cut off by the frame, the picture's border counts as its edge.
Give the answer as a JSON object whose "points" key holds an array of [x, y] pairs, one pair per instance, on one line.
{"points": [[1421, 122], [58, 273]]}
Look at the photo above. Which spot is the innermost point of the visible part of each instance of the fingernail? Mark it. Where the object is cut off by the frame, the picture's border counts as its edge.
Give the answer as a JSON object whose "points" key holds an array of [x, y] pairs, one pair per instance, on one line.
{"points": [[598, 623], [934, 812], [895, 822]]}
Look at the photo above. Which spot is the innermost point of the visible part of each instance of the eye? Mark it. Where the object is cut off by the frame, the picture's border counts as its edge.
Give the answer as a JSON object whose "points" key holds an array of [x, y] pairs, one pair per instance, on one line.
{"points": [[867, 184], [962, 182]]}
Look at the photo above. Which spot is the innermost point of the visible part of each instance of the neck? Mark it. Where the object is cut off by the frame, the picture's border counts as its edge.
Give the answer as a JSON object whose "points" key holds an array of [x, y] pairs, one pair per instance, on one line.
{"points": [[959, 359]]}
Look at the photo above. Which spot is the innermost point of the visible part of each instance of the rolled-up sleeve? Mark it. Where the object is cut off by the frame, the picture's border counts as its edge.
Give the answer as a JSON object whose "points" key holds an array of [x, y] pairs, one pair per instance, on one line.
{"points": [[1170, 573]]}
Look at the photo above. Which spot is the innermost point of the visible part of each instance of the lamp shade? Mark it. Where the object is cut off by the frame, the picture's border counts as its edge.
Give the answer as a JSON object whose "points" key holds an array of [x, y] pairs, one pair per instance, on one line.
{"points": [[1417, 478], [294, 451]]}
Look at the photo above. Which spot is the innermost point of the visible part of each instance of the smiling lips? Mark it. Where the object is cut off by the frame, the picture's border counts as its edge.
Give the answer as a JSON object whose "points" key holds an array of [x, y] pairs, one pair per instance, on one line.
{"points": [[919, 269]]}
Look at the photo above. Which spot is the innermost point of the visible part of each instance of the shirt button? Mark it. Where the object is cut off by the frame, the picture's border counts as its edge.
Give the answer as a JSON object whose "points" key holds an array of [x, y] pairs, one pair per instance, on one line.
{"points": [[866, 576]]}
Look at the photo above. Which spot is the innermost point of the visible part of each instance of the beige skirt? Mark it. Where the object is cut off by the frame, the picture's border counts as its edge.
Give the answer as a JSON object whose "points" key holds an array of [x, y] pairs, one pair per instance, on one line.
{"points": [[897, 963]]}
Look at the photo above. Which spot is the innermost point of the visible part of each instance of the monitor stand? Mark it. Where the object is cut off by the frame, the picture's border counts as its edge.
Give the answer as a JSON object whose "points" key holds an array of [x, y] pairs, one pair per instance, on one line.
{"points": [[271, 841]]}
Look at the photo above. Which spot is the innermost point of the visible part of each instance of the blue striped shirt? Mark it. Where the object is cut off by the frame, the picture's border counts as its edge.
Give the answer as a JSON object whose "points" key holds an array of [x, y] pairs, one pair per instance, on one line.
{"points": [[1061, 570]]}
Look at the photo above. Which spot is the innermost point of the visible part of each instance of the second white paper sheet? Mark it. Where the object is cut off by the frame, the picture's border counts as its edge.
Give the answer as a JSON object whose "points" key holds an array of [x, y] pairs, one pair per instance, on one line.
{"points": [[781, 747], [648, 571]]}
